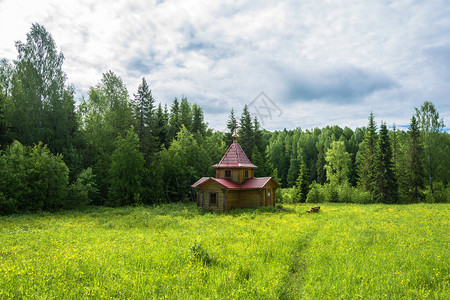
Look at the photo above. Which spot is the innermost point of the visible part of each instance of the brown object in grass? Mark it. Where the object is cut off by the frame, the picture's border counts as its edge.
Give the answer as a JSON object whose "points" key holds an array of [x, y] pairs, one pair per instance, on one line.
{"points": [[314, 209]]}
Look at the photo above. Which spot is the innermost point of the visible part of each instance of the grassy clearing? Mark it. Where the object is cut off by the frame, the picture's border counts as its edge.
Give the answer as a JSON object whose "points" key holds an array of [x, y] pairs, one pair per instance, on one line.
{"points": [[178, 251]]}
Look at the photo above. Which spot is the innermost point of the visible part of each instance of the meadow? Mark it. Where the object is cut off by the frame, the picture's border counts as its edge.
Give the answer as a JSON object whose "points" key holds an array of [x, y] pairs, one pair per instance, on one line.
{"points": [[178, 251]]}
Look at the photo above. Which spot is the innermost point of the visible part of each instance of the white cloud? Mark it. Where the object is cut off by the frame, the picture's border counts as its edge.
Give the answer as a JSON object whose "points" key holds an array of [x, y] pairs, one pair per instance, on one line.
{"points": [[382, 56]]}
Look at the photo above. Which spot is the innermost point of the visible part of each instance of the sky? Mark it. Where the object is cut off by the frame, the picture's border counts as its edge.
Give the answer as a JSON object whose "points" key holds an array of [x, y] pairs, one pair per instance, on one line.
{"points": [[295, 64]]}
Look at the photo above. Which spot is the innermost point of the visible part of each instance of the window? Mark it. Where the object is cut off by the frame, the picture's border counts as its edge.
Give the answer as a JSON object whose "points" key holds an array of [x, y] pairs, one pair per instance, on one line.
{"points": [[227, 173], [246, 174], [213, 199]]}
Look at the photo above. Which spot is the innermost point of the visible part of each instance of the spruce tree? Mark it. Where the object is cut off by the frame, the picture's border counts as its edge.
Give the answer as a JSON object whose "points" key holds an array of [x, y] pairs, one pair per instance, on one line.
{"points": [[246, 133], [198, 121], [174, 120], [161, 127], [412, 181], [366, 159], [302, 184], [144, 110], [231, 126], [320, 164], [386, 182], [186, 114]]}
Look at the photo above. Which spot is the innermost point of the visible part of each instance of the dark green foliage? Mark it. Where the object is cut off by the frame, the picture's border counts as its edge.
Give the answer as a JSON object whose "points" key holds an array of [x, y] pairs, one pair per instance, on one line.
{"points": [[246, 132], [302, 184], [83, 190], [231, 126], [2, 120], [161, 128], [144, 114], [386, 182], [412, 179], [294, 167], [41, 106], [366, 158], [186, 114], [32, 179], [320, 167], [198, 120], [182, 164], [174, 120], [127, 171]]}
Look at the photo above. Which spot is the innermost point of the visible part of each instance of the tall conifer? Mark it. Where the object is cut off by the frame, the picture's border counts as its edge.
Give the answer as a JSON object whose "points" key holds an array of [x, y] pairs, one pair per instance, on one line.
{"points": [[412, 181], [366, 158], [386, 182]]}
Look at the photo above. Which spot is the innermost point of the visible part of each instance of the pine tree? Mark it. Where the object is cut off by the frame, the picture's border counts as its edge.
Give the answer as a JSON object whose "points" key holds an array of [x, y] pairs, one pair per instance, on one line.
{"points": [[386, 182], [302, 184], [366, 158]]}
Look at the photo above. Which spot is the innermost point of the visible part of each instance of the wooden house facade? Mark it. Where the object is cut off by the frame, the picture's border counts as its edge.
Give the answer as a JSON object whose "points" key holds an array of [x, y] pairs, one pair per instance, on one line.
{"points": [[235, 185]]}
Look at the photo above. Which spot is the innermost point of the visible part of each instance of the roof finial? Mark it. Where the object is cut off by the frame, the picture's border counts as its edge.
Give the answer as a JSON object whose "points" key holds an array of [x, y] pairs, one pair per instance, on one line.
{"points": [[235, 135]]}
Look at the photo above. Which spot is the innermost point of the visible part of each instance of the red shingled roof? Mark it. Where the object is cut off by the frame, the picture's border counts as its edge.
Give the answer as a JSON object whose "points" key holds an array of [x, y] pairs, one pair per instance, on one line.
{"points": [[234, 158], [250, 183], [255, 183]]}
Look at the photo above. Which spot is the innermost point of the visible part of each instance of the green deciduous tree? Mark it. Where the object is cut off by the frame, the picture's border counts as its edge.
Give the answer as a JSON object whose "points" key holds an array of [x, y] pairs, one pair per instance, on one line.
{"points": [[32, 178], [430, 125], [127, 171], [42, 107], [106, 114], [182, 164], [338, 162]]}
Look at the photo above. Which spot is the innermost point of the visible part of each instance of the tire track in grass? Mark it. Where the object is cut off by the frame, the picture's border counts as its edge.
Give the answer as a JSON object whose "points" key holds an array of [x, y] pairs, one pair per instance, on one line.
{"points": [[291, 285]]}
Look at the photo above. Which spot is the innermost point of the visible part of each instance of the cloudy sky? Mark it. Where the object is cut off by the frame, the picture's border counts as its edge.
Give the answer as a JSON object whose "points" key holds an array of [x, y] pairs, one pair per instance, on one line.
{"points": [[295, 63]]}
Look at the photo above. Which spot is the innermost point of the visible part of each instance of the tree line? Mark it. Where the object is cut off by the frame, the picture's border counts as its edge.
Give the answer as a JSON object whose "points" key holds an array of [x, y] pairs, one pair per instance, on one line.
{"points": [[115, 149], [366, 165]]}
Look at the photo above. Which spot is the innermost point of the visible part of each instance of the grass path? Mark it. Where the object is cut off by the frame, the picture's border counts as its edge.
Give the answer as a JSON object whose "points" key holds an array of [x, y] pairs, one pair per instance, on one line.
{"points": [[179, 252]]}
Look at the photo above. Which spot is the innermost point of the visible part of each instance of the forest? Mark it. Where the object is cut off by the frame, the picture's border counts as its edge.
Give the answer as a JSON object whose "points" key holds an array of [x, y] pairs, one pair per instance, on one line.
{"points": [[111, 148]]}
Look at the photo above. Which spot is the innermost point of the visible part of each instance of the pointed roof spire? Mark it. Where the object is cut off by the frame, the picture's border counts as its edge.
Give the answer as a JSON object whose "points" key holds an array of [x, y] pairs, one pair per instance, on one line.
{"points": [[235, 157], [235, 135]]}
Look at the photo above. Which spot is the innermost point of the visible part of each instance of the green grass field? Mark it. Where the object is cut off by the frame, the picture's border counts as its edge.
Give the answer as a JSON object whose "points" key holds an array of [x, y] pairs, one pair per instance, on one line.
{"points": [[180, 252]]}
